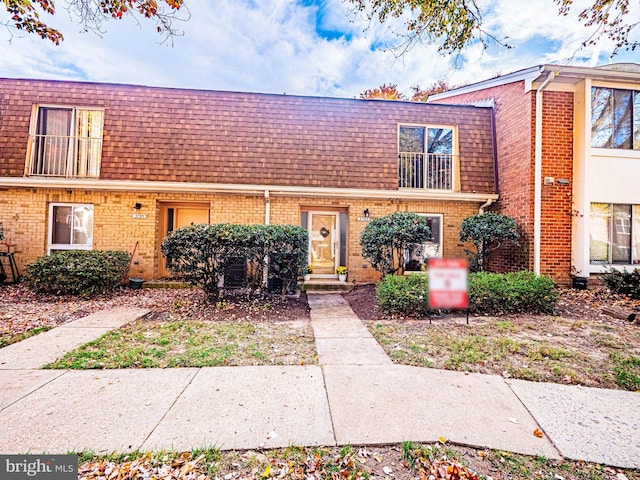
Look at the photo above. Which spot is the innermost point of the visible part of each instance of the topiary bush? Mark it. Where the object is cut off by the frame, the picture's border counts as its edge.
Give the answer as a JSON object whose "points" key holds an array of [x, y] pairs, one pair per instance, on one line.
{"points": [[77, 272], [385, 239], [407, 296], [623, 282], [489, 294], [487, 232]]}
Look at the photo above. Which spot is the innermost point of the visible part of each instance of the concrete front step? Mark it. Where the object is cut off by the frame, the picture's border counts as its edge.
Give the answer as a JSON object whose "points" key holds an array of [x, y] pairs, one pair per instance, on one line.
{"points": [[326, 286]]}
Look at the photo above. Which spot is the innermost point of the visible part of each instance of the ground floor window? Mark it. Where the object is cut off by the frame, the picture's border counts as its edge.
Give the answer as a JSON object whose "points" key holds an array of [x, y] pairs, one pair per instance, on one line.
{"points": [[417, 257], [70, 226], [614, 234]]}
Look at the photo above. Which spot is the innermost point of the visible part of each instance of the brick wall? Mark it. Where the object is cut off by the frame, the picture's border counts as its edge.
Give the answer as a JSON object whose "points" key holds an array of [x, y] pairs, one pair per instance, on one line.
{"points": [[224, 137], [514, 114], [557, 162], [24, 213]]}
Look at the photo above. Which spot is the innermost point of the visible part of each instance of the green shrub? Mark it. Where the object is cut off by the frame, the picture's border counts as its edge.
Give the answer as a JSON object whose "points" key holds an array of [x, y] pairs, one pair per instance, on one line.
{"points": [[404, 295], [487, 231], [518, 292], [623, 282], [489, 294], [201, 254], [77, 272], [289, 253], [385, 239]]}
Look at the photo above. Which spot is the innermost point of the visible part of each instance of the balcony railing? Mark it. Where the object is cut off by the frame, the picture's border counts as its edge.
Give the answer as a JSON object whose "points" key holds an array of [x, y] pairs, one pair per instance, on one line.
{"points": [[65, 156], [432, 171]]}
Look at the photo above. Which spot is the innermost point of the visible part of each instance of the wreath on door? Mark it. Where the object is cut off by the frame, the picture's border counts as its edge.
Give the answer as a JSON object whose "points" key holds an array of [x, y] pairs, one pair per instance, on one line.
{"points": [[324, 231]]}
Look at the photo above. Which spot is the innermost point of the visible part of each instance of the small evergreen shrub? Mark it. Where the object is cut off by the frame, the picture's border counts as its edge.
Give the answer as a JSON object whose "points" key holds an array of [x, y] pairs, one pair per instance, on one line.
{"points": [[517, 292], [623, 282], [384, 240], [404, 295], [488, 232], [77, 272], [489, 294]]}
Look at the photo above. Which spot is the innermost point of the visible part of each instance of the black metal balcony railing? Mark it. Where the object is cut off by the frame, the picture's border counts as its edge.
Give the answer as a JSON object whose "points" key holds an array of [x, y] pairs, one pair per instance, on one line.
{"points": [[66, 156], [432, 171]]}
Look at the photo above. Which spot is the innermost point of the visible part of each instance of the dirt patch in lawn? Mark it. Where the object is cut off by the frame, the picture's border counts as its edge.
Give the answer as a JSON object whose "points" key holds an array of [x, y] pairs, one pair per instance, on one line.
{"points": [[578, 345]]}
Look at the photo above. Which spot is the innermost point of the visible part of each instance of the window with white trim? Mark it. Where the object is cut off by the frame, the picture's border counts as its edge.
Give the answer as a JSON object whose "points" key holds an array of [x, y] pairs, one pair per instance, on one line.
{"points": [[70, 226], [66, 142], [417, 257], [614, 234], [615, 118], [425, 157]]}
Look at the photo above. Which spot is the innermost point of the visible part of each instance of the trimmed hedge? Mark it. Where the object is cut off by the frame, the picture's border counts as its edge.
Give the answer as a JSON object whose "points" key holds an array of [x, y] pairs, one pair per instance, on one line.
{"points": [[518, 292], [201, 254], [489, 294], [404, 295], [77, 272]]}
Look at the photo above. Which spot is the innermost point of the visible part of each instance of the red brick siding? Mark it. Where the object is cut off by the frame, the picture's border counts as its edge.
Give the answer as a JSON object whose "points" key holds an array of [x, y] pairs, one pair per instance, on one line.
{"points": [[557, 162], [515, 137], [514, 144], [223, 137]]}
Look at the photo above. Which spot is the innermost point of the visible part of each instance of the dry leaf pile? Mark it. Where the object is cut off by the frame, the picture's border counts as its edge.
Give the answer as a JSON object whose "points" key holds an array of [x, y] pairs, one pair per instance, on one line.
{"points": [[146, 467]]}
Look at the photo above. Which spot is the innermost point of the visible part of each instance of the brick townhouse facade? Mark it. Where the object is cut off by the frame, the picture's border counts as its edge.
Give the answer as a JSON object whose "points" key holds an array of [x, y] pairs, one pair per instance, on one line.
{"points": [[106, 166], [568, 151]]}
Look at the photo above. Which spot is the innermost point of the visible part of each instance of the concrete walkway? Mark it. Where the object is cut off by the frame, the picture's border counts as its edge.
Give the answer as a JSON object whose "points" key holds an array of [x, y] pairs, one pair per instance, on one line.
{"points": [[47, 347], [354, 396]]}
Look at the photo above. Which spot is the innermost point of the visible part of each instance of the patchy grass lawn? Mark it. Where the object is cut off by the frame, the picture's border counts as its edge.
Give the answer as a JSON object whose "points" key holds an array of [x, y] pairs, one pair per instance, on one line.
{"points": [[402, 462], [578, 346], [17, 337], [569, 352], [190, 343]]}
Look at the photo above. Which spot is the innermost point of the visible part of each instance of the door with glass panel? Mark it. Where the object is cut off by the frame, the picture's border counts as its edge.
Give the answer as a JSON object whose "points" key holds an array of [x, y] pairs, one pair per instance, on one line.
{"points": [[174, 216], [324, 243]]}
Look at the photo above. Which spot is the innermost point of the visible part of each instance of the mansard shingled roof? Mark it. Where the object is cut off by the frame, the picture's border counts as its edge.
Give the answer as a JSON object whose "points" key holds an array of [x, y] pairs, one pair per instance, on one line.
{"points": [[178, 135]]}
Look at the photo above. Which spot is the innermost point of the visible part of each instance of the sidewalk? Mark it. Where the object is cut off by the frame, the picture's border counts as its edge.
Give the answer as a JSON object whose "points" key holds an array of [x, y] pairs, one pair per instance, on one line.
{"points": [[354, 396]]}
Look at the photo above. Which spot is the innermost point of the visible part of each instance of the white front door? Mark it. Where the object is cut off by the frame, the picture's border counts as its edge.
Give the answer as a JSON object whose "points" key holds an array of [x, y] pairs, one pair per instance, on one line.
{"points": [[324, 243]]}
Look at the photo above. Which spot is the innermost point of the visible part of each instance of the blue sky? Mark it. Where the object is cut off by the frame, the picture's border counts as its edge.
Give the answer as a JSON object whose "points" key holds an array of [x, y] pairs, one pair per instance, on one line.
{"points": [[303, 47]]}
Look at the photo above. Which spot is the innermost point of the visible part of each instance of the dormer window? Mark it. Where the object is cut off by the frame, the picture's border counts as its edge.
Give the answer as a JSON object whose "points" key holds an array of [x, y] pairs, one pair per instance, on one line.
{"points": [[66, 142]]}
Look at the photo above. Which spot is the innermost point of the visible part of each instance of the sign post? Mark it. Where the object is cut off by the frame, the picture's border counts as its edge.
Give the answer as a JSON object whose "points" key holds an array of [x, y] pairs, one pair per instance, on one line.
{"points": [[448, 283]]}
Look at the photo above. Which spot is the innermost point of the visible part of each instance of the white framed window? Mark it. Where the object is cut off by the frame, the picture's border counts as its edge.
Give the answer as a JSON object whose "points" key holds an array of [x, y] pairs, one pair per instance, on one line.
{"points": [[426, 156], [615, 118], [417, 257], [70, 226], [66, 142], [614, 231]]}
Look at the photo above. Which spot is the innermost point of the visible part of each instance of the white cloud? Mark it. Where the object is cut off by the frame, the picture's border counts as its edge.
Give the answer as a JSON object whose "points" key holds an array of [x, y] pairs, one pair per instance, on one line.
{"points": [[273, 46]]}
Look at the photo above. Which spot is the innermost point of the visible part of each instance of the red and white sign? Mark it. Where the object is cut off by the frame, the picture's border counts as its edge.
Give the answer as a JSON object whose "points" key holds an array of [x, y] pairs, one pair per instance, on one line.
{"points": [[448, 283]]}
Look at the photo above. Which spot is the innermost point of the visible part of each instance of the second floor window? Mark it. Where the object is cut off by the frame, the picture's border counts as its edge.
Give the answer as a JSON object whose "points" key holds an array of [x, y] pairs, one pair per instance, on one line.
{"points": [[615, 118], [425, 157], [67, 142]]}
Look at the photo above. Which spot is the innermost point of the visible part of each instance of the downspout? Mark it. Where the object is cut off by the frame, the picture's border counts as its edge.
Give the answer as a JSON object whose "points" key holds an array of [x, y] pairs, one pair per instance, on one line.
{"points": [[496, 181], [537, 179], [267, 221], [485, 205], [267, 208], [496, 178]]}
